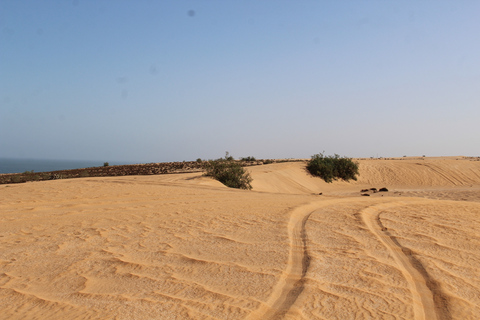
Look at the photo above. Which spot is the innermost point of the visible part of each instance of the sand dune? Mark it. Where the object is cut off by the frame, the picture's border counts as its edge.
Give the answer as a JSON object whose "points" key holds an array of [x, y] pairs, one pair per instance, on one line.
{"points": [[183, 246], [417, 174]]}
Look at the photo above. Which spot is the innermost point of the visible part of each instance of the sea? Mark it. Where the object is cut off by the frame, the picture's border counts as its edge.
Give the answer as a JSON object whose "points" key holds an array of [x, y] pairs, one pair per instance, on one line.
{"points": [[42, 165]]}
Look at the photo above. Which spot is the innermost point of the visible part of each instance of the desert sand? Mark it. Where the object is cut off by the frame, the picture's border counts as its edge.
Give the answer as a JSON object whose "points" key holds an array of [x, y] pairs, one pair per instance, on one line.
{"points": [[183, 246]]}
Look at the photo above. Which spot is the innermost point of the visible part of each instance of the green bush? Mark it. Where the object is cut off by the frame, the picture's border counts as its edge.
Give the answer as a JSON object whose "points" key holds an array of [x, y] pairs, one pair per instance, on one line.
{"points": [[228, 172], [106, 164], [333, 167], [228, 157], [248, 159]]}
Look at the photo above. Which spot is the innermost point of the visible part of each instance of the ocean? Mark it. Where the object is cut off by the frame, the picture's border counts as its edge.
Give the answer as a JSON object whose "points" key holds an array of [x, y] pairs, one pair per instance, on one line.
{"points": [[42, 165]]}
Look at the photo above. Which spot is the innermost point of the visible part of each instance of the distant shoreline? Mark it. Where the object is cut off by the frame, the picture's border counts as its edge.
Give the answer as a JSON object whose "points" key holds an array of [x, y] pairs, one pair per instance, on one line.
{"points": [[17, 165], [120, 170]]}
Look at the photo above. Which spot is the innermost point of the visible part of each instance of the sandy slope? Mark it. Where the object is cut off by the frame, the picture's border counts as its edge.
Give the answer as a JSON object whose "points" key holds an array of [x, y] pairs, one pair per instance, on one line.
{"points": [[186, 247]]}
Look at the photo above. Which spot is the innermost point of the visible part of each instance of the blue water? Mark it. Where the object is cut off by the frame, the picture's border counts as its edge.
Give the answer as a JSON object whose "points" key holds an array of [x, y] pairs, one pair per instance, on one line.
{"points": [[22, 165]]}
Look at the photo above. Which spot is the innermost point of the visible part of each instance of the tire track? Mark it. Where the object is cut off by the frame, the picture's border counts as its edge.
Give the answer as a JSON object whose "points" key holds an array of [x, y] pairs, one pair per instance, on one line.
{"points": [[448, 177], [292, 280], [428, 303]]}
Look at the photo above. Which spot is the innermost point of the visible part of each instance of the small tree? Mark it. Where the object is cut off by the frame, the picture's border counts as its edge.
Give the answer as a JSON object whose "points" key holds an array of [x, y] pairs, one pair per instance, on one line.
{"points": [[228, 157], [229, 172], [333, 167]]}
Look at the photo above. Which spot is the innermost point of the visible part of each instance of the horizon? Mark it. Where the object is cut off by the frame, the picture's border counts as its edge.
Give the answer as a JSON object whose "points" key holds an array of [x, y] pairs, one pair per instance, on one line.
{"points": [[162, 82], [120, 163], [19, 166]]}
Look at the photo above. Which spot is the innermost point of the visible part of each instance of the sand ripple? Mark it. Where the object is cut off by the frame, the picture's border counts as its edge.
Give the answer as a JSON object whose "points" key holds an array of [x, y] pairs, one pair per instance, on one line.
{"points": [[185, 247]]}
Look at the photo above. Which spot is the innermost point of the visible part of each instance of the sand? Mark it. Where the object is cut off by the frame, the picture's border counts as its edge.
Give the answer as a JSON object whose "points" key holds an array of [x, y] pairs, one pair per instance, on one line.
{"points": [[183, 246]]}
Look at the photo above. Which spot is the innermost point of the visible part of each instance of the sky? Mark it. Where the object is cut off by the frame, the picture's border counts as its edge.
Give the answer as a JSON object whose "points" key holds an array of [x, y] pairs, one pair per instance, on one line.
{"points": [[157, 81]]}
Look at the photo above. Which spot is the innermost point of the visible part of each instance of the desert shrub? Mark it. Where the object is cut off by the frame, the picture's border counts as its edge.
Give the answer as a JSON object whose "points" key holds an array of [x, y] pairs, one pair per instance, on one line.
{"points": [[228, 172], [84, 174], [228, 157], [17, 179], [331, 168], [106, 164], [248, 159], [45, 176], [57, 176]]}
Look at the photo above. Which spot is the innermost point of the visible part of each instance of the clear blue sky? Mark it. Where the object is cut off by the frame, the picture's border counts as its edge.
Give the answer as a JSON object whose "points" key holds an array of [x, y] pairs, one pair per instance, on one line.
{"points": [[148, 81]]}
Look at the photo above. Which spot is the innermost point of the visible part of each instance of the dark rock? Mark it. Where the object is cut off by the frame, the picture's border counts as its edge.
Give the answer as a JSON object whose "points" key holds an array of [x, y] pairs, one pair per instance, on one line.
{"points": [[383, 190], [364, 190], [365, 195]]}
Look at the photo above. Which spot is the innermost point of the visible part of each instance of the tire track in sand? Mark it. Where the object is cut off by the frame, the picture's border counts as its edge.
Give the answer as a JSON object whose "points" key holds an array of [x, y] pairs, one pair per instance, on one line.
{"points": [[291, 282], [424, 290], [428, 302]]}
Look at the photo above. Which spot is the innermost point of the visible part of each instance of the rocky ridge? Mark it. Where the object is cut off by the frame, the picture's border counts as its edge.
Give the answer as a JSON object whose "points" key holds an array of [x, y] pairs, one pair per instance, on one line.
{"points": [[119, 170]]}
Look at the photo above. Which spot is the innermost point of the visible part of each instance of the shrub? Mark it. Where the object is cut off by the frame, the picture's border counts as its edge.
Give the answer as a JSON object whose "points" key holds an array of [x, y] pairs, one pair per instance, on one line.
{"points": [[228, 157], [333, 167], [84, 174], [17, 179], [248, 159], [106, 164], [228, 172]]}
